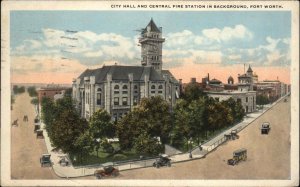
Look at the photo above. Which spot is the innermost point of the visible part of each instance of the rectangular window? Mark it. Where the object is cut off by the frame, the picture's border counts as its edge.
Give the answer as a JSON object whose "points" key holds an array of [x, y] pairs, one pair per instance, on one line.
{"points": [[218, 99], [135, 100], [98, 98], [124, 101], [116, 101], [124, 92], [116, 92], [246, 99], [153, 92], [239, 100], [159, 91]]}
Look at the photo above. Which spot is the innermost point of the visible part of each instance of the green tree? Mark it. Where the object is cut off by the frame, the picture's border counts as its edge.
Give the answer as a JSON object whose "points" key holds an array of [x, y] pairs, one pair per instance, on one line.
{"points": [[101, 127], [262, 100], [48, 113], [83, 144], [66, 129], [182, 128], [155, 112], [32, 91], [145, 144], [34, 101], [18, 90], [196, 118], [192, 92], [129, 127], [239, 111], [152, 118]]}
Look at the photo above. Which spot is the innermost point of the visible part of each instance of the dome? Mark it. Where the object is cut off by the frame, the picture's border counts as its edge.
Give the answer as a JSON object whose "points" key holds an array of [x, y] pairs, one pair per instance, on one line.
{"points": [[215, 81], [230, 80]]}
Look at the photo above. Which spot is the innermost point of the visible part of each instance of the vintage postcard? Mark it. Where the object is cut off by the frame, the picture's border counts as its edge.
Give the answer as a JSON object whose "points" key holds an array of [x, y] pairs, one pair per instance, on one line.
{"points": [[149, 93]]}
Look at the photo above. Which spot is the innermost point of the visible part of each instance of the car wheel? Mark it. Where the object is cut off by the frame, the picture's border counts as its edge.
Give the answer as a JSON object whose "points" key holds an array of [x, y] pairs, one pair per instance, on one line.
{"points": [[157, 166]]}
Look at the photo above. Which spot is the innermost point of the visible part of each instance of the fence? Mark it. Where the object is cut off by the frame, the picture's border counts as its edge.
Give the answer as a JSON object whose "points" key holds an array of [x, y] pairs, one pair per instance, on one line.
{"points": [[216, 144]]}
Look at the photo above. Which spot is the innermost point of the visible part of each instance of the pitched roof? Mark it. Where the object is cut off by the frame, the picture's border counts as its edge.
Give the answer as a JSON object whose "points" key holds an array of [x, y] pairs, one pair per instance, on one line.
{"points": [[121, 73], [152, 26], [167, 72], [249, 69]]}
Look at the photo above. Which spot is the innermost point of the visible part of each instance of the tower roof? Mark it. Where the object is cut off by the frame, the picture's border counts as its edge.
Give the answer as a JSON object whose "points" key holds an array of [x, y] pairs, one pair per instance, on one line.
{"points": [[249, 69], [152, 26]]}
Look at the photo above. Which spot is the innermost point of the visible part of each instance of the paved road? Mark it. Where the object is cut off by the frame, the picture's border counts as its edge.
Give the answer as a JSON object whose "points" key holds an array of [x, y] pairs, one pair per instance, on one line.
{"points": [[25, 148], [268, 155]]}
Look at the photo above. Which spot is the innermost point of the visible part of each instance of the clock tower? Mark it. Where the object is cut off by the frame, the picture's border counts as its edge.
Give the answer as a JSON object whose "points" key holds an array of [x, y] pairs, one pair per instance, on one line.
{"points": [[151, 43]]}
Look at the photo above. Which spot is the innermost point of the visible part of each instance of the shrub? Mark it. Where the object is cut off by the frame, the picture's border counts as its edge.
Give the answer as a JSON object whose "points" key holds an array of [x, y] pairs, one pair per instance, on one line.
{"points": [[120, 157]]}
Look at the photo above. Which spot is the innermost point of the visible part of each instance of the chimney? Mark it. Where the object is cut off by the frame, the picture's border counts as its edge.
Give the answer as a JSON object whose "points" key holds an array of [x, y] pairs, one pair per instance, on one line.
{"points": [[193, 80], [208, 77]]}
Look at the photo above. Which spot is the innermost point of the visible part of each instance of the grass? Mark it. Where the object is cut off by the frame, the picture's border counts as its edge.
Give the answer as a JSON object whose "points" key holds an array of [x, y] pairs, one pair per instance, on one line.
{"points": [[103, 157]]}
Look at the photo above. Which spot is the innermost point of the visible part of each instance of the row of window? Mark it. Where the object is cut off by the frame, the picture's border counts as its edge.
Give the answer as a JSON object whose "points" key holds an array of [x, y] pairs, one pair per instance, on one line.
{"points": [[116, 87], [124, 101]]}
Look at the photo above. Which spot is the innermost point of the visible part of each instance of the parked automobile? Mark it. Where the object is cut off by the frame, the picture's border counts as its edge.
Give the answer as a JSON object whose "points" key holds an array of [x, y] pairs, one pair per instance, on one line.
{"points": [[265, 128], [36, 127], [232, 135], [163, 160], [238, 155], [107, 171], [39, 133], [45, 160]]}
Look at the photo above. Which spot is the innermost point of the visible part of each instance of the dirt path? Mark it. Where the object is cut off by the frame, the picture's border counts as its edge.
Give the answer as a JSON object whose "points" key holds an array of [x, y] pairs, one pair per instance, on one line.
{"points": [[268, 155], [26, 148]]}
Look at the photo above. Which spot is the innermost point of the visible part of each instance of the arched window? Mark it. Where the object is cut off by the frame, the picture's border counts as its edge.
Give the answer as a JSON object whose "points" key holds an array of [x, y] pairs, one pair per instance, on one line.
{"points": [[116, 87], [135, 87], [160, 87], [99, 90], [153, 87], [125, 87]]}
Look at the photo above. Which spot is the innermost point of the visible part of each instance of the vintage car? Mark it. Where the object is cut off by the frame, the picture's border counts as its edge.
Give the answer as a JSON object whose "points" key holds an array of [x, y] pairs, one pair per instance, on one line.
{"points": [[39, 133], [238, 156], [232, 135], [265, 128], [45, 160], [36, 127], [163, 160], [107, 171]]}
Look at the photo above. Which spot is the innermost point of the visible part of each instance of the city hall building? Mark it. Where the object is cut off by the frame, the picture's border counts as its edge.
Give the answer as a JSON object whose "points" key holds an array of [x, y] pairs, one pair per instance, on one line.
{"points": [[117, 89]]}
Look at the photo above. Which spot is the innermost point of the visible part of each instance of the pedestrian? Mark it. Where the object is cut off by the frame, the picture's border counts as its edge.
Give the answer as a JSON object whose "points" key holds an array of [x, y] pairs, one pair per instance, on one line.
{"points": [[190, 155]]}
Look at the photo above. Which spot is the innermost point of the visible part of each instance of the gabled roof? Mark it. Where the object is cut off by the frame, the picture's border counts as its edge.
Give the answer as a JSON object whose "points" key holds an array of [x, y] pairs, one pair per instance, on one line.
{"points": [[152, 26]]}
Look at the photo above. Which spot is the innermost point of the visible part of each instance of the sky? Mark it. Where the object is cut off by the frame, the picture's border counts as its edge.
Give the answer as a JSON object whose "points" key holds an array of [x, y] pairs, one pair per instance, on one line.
{"points": [[57, 46]]}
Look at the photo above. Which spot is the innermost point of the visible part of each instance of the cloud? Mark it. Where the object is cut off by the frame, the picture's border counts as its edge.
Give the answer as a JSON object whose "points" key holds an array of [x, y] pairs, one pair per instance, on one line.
{"points": [[228, 33], [275, 52]]}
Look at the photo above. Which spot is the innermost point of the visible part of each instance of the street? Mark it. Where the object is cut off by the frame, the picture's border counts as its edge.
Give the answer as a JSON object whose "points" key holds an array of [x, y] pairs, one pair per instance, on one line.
{"points": [[268, 155], [26, 149]]}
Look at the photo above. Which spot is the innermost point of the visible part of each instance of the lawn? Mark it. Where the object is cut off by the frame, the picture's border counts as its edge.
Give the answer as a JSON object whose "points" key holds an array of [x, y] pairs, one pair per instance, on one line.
{"points": [[103, 157]]}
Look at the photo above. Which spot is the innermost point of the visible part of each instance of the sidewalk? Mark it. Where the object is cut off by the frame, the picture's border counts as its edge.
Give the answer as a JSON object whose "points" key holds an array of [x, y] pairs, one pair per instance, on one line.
{"points": [[71, 172]]}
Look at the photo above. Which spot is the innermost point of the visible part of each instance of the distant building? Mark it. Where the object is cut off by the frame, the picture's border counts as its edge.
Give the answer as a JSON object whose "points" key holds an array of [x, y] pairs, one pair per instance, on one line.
{"points": [[117, 89], [241, 92], [51, 91]]}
